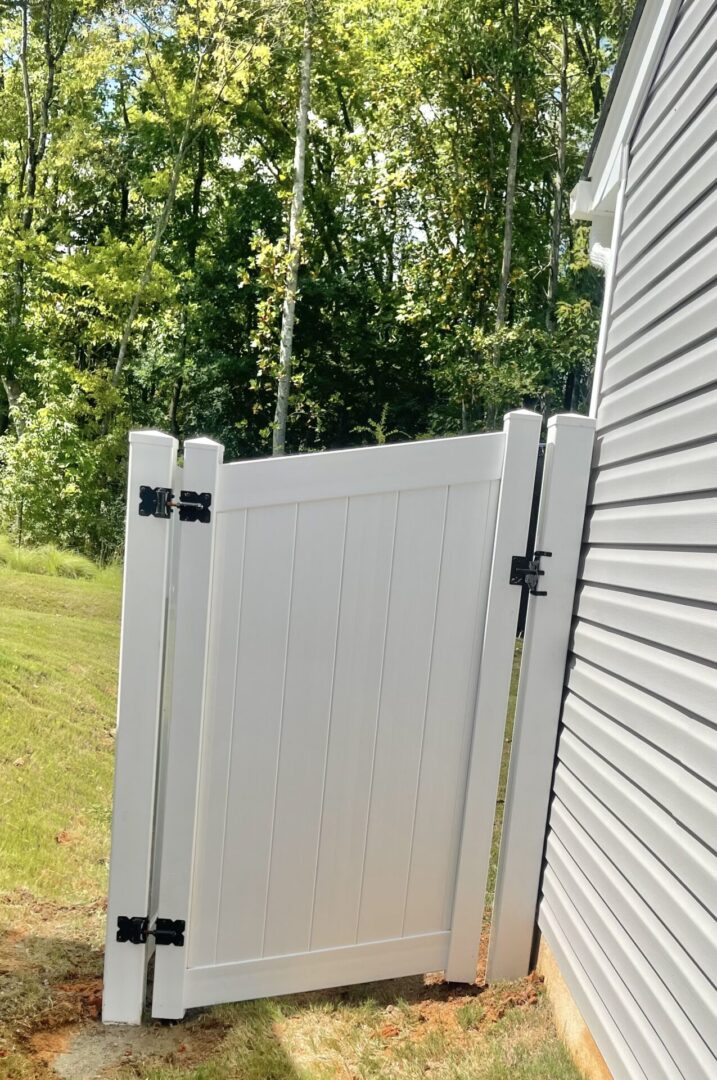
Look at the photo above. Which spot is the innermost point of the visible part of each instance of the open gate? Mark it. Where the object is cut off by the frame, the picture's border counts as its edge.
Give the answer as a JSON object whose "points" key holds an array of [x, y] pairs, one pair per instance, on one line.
{"points": [[316, 660]]}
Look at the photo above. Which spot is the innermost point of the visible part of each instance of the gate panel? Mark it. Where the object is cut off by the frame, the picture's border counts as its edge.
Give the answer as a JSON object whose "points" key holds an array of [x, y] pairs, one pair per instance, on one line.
{"points": [[365, 589], [407, 661], [343, 622], [304, 722], [465, 572], [148, 542], [194, 581]]}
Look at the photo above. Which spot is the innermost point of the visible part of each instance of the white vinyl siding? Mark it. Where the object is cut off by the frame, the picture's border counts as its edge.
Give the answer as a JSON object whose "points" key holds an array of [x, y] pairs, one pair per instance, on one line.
{"points": [[629, 901]]}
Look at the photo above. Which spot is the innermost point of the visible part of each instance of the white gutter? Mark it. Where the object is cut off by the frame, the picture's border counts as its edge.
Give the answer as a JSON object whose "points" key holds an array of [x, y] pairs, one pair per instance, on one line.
{"points": [[604, 243]]}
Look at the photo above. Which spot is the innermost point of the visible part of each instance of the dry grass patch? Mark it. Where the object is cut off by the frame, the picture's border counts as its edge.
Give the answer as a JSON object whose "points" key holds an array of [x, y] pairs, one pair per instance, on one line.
{"points": [[403, 1029]]}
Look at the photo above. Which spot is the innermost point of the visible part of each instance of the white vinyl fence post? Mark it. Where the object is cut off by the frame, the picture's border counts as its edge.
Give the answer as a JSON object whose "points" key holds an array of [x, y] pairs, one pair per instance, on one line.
{"points": [[202, 463], [560, 527], [522, 433], [152, 458]]}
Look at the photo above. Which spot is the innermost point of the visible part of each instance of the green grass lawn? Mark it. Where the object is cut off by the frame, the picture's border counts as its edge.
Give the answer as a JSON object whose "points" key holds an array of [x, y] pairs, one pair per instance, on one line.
{"points": [[58, 661]]}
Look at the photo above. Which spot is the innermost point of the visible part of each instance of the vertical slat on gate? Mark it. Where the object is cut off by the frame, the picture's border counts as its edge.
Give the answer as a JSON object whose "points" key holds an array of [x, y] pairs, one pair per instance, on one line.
{"points": [[522, 432], [560, 527], [147, 547], [202, 461]]}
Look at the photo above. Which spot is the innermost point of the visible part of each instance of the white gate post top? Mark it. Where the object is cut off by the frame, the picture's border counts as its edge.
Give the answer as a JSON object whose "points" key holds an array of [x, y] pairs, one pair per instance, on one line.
{"points": [[204, 444], [152, 438], [524, 423], [571, 419], [525, 417], [517, 414]]}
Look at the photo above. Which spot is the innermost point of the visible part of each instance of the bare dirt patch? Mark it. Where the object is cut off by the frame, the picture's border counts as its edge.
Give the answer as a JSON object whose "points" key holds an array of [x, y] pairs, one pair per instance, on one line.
{"points": [[95, 1050], [45, 1045]]}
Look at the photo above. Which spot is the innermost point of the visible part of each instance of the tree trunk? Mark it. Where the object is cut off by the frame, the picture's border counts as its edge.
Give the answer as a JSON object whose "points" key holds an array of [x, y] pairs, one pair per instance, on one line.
{"points": [[162, 221], [516, 131], [174, 406], [12, 393], [292, 273], [569, 392], [37, 134], [145, 277], [590, 57], [556, 225], [515, 134]]}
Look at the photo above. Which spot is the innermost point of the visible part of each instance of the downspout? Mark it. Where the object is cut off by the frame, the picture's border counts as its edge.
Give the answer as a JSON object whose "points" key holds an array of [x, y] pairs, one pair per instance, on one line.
{"points": [[605, 236]]}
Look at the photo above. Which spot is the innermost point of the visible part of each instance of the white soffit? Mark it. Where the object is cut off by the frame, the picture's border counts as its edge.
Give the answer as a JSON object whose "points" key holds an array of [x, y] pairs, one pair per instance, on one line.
{"points": [[596, 193]]}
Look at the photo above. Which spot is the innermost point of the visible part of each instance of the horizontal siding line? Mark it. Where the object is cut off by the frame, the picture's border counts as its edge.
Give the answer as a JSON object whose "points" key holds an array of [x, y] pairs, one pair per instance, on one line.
{"points": [[658, 278], [694, 70], [667, 598], [676, 447], [664, 231], [678, 56], [676, 472], [584, 578], [698, 837], [688, 164], [703, 904], [664, 304], [684, 8], [676, 734], [611, 1042], [655, 746], [653, 324], [702, 919], [691, 189], [692, 524], [687, 123], [710, 665], [686, 375], [655, 500], [685, 347], [651, 984], [655, 410], [667, 622], [660, 944], [644, 1039], [664, 234], [621, 874], [704, 549], [690, 714]]}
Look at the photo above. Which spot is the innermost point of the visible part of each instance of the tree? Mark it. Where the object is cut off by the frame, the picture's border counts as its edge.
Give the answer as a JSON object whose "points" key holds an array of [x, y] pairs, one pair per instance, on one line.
{"points": [[147, 161], [515, 113], [294, 245], [43, 32]]}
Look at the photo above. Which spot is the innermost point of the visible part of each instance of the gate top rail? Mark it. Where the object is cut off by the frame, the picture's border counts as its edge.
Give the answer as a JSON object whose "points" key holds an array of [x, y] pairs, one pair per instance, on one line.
{"points": [[361, 471]]}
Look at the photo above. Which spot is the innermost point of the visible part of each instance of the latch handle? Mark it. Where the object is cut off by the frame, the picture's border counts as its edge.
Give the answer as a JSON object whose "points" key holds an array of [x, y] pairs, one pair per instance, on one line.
{"points": [[525, 571]]}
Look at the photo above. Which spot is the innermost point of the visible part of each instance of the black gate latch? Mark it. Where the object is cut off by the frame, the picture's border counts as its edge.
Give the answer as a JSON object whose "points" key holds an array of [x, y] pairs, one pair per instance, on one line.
{"points": [[525, 571], [136, 930], [159, 502]]}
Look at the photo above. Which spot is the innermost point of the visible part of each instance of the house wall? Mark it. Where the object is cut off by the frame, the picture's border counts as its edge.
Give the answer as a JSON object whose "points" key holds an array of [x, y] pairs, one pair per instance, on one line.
{"points": [[629, 900]]}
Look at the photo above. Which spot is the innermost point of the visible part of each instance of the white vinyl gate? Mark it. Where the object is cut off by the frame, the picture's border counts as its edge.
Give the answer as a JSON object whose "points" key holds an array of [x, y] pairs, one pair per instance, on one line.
{"points": [[314, 677]]}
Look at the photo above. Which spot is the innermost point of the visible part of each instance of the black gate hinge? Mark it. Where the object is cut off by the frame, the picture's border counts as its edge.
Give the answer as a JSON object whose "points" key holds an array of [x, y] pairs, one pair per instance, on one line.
{"points": [[136, 929], [525, 571], [159, 502]]}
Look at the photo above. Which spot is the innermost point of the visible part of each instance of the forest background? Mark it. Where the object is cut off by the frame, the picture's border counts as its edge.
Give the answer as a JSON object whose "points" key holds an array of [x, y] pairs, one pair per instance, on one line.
{"points": [[164, 215]]}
